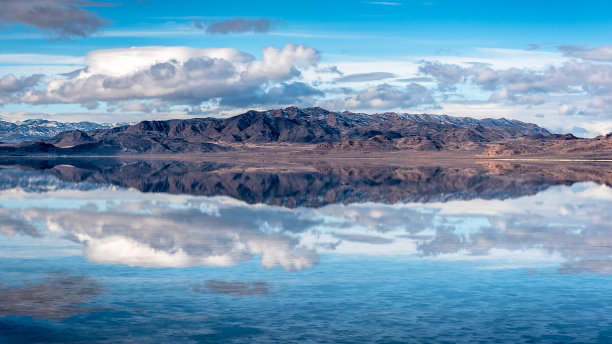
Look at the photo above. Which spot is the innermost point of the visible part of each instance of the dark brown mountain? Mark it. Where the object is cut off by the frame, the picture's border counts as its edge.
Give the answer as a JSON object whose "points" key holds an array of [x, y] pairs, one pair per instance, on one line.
{"points": [[560, 146], [312, 127], [41, 129]]}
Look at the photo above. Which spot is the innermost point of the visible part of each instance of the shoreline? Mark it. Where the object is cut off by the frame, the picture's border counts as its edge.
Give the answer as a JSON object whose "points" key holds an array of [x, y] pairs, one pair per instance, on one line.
{"points": [[279, 156]]}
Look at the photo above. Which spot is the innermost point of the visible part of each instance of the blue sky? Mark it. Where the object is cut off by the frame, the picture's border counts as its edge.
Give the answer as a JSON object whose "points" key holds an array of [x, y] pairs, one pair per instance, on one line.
{"points": [[537, 61]]}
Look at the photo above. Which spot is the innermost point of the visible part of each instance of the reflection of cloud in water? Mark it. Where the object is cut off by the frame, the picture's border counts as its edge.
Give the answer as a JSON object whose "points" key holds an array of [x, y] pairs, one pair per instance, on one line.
{"points": [[368, 239], [30, 181], [10, 225], [570, 223], [601, 266], [573, 222], [160, 234], [235, 288], [58, 296]]}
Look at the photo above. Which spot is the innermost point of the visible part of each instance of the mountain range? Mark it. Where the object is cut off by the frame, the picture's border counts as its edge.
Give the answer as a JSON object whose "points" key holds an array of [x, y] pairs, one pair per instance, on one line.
{"points": [[41, 129], [314, 130]]}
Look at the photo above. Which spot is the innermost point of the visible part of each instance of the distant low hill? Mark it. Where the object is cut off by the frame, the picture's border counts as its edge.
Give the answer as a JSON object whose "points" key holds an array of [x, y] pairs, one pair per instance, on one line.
{"points": [[40, 129], [324, 131], [567, 145]]}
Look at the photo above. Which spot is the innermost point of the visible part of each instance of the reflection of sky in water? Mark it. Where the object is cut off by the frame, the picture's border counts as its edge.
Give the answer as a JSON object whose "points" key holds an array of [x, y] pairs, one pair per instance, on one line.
{"points": [[90, 264], [562, 226]]}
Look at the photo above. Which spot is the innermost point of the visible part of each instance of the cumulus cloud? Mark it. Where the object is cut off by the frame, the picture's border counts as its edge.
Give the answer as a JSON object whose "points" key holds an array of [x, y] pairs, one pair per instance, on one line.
{"points": [[63, 19], [235, 25], [374, 76], [567, 109], [384, 96], [121, 62], [180, 75], [600, 53], [296, 93], [445, 73], [12, 225], [10, 85], [601, 102], [525, 86]]}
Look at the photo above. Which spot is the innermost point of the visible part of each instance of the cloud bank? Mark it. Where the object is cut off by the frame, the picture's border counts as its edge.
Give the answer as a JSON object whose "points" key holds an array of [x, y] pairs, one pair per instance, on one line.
{"points": [[165, 76], [383, 96], [526, 86], [601, 53]]}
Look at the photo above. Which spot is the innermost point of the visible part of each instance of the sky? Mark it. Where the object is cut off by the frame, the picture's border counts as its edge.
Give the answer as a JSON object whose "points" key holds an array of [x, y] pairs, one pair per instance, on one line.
{"points": [[545, 62]]}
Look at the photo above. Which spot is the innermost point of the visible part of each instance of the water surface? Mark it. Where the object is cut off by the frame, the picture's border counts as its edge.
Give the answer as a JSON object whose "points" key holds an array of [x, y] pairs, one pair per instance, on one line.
{"points": [[151, 251]]}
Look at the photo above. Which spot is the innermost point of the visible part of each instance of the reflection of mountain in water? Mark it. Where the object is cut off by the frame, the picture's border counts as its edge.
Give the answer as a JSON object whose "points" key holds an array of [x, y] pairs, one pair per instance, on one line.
{"points": [[30, 181], [569, 225], [321, 183]]}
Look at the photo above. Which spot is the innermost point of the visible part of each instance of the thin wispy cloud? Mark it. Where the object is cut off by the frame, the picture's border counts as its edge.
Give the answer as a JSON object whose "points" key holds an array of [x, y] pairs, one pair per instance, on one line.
{"points": [[384, 3], [234, 25], [361, 77]]}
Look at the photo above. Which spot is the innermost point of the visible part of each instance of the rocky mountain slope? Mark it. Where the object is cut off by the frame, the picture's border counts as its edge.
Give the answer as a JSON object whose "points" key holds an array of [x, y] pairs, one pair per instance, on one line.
{"points": [[566, 146], [40, 129], [316, 127]]}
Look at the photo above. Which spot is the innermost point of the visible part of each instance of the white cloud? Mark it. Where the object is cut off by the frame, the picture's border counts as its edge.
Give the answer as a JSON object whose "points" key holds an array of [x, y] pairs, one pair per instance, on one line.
{"points": [[383, 96], [600, 53], [174, 75], [40, 59], [122, 62], [572, 88], [567, 109]]}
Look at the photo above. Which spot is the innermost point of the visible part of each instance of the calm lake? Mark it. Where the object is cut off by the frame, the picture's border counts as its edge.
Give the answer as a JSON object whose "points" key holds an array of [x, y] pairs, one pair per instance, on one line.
{"points": [[127, 251]]}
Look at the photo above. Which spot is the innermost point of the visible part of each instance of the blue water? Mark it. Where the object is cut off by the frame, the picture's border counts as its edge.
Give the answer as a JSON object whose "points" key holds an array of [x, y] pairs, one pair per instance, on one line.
{"points": [[347, 299], [102, 264]]}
